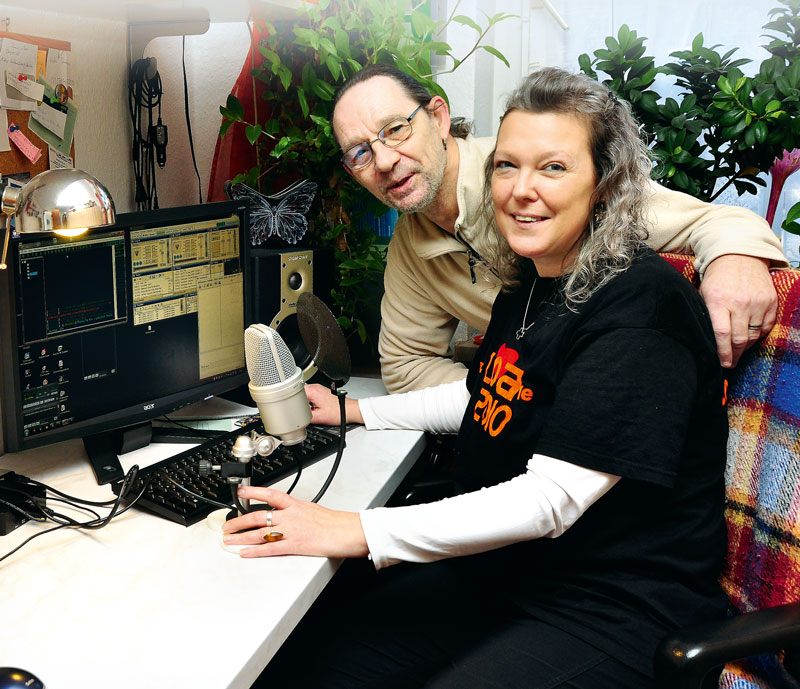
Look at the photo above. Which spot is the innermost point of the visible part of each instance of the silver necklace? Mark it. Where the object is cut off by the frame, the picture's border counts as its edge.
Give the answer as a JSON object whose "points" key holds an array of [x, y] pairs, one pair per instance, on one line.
{"points": [[521, 332]]}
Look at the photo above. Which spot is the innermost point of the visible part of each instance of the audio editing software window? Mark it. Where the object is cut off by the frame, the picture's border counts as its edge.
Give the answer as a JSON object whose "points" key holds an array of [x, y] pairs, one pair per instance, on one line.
{"points": [[193, 268], [66, 289]]}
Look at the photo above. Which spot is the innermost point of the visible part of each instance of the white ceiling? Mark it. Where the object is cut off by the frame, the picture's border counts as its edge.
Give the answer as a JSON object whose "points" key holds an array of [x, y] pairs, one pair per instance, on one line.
{"points": [[144, 10]]}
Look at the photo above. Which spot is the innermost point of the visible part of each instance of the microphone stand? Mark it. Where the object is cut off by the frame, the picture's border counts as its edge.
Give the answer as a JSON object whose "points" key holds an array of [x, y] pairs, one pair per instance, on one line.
{"points": [[247, 446]]}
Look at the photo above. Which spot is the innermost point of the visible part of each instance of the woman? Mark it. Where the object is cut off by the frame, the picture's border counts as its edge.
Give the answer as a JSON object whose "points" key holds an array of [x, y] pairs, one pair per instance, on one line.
{"points": [[591, 444]]}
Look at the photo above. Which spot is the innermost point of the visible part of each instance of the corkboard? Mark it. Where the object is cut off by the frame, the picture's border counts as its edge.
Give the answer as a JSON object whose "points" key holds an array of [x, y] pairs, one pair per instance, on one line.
{"points": [[13, 162]]}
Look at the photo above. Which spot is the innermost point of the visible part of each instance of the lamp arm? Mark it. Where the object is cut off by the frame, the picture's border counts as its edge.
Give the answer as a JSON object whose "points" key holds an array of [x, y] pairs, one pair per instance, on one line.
{"points": [[3, 265]]}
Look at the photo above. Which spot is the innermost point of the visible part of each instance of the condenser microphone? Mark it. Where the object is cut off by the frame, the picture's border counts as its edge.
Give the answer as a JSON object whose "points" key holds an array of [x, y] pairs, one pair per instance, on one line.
{"points": [[276, 385]]}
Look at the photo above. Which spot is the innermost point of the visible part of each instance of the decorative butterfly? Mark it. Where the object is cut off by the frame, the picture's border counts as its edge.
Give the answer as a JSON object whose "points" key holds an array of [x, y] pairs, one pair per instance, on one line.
{"points": [[281, 215]]}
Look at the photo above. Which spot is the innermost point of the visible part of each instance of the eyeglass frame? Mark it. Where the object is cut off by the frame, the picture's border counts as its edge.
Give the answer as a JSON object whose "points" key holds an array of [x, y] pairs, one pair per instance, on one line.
{"points": [[381, 136]]}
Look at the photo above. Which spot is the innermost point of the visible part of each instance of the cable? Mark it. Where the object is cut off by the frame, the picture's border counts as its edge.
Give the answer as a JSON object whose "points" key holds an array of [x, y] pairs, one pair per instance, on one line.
{"points": [[144, 94], [169, 478], [101, 503], [188, 120], [65, 521], [341, 394]]}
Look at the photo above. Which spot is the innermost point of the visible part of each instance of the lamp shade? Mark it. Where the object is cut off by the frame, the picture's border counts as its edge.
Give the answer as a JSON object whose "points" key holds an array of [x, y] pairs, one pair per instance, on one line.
{"points": [[62, 201]]}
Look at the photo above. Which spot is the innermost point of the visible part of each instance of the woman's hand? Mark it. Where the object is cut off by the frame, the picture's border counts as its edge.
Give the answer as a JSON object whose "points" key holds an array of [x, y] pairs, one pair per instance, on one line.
{"points": [[325, 407], [304, 528]]}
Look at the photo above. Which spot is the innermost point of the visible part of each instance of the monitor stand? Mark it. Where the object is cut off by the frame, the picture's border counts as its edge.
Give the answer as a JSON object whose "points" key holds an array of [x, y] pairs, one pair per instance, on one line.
{"points": [[103, 449]]}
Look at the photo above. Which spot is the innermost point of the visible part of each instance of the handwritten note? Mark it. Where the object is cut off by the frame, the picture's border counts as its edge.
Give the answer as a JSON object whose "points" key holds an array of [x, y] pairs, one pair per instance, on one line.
{"points": [[58, 74], [52, 118], [26, 85], [18, 58], [23, 143]]}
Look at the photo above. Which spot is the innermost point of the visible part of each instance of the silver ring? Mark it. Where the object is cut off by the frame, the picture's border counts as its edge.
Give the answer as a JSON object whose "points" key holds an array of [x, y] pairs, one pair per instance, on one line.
{"points": [[751, 326], [269, 519]]}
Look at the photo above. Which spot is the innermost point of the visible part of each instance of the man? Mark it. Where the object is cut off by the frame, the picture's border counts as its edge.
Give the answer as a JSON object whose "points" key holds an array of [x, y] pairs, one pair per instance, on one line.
{"points": [[401, 145]]}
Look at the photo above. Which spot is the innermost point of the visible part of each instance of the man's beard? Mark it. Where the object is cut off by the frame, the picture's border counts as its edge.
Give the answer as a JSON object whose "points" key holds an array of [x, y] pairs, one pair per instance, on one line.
{"points": [[432, 182]]}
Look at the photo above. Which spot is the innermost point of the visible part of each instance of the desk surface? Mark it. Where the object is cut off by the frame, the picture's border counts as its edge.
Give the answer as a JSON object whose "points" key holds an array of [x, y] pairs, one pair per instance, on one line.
{"points": [[145, 602]]}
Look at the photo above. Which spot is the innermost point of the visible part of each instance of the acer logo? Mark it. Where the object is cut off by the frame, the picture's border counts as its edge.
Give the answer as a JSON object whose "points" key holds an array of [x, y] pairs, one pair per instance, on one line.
{"points": [[148, 407]]}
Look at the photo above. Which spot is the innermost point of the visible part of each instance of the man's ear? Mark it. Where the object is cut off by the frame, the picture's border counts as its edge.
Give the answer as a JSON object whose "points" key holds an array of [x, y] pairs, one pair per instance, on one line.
{"points": [[440, 112]]}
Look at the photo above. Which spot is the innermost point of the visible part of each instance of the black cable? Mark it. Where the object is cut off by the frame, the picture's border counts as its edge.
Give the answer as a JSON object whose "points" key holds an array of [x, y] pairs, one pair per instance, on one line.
{"points": [[169, 478], [100, 503], [188, 120], [65, 521], [144, 94], [28, 540], [341, 394], [296, 476]]}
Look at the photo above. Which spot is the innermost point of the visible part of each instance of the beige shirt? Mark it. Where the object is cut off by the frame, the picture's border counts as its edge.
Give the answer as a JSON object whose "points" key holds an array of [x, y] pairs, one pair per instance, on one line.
{"points": [[429, 286]]}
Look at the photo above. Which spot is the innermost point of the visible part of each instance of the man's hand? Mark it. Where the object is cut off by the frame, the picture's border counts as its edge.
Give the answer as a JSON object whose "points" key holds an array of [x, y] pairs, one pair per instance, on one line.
{"points": [[742, 301]]}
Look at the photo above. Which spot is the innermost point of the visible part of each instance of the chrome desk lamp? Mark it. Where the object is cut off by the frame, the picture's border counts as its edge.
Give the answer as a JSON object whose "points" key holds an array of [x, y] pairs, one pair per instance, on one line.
{"points": [[65, 202]]}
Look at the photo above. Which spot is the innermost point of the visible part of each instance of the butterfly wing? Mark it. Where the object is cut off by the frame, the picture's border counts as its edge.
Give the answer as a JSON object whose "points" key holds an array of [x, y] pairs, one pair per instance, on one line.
{"points": [[290, 221], [262, 214]]}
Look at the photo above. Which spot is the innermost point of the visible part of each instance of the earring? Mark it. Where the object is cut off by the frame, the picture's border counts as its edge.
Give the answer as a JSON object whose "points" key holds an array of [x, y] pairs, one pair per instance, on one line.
{"points": [[444, 143]]}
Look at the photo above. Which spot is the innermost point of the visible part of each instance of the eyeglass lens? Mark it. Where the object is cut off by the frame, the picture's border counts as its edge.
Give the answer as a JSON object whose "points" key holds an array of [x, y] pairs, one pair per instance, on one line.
{"points": [[392, 135]]}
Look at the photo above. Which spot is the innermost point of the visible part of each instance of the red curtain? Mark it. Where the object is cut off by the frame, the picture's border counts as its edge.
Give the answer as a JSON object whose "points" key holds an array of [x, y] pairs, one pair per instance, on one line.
{"points": [[234, 153]]}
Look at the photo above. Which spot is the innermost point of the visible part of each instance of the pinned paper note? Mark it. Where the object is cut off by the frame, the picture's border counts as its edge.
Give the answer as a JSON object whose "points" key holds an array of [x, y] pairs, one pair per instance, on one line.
{"points": [[25, 84], [17, 58], [23, 143], [52, 118], [58, 160], [5, 144]]}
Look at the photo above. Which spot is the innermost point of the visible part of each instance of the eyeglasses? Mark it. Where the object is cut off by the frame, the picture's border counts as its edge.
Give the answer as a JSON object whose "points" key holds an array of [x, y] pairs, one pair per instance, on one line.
{"points": [[393, 134]]}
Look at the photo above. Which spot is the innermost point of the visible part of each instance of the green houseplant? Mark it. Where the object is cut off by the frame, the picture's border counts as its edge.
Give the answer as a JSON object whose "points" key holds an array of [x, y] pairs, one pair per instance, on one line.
{"points": [[302, 64], [728, 127]]}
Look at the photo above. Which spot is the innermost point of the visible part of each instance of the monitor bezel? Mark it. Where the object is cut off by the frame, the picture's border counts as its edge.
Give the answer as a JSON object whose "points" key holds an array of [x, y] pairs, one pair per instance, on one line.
{"points": [[14, 439]]}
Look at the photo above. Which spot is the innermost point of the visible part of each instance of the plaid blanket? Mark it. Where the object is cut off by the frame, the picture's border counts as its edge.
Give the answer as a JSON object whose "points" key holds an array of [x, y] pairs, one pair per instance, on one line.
{"points": [[763, 477]]}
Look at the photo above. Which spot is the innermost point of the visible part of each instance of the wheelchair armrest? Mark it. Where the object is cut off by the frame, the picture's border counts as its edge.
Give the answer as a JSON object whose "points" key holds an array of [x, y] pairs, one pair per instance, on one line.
{"points": [[684, 658]]}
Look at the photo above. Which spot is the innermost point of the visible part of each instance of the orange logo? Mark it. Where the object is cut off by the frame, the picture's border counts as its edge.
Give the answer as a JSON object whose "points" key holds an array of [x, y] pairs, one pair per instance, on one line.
{"points": [[504, 380]]}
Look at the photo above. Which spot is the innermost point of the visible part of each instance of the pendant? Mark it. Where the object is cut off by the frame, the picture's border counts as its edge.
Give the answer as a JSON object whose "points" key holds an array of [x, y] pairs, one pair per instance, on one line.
{"points": [[520, 333]]}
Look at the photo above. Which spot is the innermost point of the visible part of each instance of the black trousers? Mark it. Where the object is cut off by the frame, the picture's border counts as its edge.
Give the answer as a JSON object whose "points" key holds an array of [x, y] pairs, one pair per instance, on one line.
{"points": [[433, 626]]}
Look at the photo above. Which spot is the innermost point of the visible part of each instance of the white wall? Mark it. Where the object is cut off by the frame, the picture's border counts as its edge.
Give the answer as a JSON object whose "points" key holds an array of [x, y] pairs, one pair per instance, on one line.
{"points": [[213, 62], [530, 39], [99, 54]]}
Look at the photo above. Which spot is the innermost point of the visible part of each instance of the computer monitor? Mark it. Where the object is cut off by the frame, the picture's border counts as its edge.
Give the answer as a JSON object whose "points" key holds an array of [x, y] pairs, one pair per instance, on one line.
{"points": [[121, 325]]}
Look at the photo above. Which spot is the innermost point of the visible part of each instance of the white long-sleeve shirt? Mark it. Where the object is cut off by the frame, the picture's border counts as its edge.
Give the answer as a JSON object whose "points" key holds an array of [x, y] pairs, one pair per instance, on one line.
{"points": [[542, 502]]}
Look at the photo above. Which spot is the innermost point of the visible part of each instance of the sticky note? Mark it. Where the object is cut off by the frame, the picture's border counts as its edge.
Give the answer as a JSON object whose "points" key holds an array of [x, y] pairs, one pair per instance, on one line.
{"points": [[23, 143]]}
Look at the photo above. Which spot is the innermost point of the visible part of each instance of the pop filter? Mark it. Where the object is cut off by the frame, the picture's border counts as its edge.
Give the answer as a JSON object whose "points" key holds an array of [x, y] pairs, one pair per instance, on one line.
{"points": [[323, 338]]}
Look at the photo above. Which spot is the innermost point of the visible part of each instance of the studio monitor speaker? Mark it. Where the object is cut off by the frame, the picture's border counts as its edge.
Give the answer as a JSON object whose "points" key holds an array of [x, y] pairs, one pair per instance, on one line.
{"points": [[280, 276]]}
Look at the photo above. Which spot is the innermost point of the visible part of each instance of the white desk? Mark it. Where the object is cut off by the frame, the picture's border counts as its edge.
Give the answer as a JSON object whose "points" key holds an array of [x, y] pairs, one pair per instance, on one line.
{"points": [[146, 603]]}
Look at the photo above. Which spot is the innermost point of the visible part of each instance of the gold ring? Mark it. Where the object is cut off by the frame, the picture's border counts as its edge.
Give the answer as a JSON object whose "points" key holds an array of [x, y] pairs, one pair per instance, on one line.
{"points": [[271, 536], [269, 519]]}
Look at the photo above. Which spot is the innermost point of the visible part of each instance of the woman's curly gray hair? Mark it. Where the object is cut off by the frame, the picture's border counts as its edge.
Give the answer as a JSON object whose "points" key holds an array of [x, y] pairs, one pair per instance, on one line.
{"points": [[617, 225]]}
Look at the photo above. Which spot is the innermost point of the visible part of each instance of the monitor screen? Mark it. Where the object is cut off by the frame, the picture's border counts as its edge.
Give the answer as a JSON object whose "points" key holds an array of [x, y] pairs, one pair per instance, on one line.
{"points": [[122, 324]]}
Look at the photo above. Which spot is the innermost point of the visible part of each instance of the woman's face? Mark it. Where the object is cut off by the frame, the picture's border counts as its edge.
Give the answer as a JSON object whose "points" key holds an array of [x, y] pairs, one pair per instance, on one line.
{"points": [[542, 184]]}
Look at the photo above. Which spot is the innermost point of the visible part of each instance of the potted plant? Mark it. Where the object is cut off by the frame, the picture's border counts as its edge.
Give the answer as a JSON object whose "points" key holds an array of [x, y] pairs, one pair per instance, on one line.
{"points": [[302, 62], [728, 127]]}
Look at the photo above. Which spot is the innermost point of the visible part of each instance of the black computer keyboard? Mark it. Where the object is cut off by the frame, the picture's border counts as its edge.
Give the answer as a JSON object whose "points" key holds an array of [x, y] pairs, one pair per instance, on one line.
{"points": [[163, 498]]}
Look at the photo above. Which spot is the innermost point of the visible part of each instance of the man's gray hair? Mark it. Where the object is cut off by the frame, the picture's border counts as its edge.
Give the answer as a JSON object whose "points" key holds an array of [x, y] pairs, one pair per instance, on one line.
{"points": [[617, 225]]}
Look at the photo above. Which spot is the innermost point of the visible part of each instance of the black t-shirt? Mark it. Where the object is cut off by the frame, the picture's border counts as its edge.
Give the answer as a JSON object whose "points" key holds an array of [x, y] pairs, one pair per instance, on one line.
{"points": [[630, 385]]}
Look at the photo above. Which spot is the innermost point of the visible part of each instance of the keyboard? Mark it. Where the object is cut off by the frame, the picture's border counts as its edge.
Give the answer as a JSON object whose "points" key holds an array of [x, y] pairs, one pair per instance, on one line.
{"points": [[163, 498]]}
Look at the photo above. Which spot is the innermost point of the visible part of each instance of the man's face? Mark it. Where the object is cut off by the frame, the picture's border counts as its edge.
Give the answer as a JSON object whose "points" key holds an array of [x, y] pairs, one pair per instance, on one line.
{"points": [[409, 176]]}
